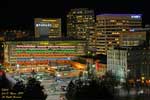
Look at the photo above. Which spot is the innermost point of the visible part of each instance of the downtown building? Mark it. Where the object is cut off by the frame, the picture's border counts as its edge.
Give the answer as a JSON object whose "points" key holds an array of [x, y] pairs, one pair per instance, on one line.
{"points": [[130, 38], [81, 25], [145, 29], [129, 62], [109, 28], [47, 27], [41, 54]]}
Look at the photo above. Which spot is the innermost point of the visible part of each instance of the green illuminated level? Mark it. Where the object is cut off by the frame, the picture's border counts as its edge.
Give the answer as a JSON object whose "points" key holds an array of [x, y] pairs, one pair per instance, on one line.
{"points": [[46, 51]]}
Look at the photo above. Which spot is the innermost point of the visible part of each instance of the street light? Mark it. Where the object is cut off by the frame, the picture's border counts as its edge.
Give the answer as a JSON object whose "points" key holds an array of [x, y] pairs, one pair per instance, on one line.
{"points": [[18, 66], [32, 60], [68, 58], [143, 78]]}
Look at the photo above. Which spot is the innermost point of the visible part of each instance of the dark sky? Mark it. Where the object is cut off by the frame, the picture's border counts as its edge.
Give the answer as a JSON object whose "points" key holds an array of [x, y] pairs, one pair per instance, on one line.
{"points": [[20, 13]]}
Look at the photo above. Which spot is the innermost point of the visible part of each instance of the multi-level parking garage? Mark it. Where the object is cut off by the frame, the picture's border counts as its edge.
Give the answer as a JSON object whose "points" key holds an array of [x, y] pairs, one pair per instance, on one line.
{"points": [[25, 56]]}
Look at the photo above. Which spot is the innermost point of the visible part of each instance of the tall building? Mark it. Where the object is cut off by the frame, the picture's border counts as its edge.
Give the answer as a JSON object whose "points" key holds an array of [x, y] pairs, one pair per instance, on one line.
{"points": [[129, 62], [80, 24], [109, 26], [47, 27]]}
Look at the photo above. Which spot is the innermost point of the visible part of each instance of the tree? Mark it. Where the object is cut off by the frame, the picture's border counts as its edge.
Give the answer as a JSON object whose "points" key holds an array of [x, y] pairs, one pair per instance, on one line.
{"points": [[34, 90], [19, 87], [4, 82], [70, 91], [111, 79], [80, 74], [30, 91], [88, 90]]}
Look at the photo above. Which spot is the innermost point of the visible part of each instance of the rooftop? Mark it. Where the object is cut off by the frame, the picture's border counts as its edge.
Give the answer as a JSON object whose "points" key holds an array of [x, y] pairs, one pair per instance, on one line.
{"points": [[135, 15], [48, 39], [132, 48]]}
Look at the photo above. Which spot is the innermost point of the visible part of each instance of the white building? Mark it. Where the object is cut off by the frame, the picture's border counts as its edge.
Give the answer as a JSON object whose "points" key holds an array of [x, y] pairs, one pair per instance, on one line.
{"points": [[129, 62]]}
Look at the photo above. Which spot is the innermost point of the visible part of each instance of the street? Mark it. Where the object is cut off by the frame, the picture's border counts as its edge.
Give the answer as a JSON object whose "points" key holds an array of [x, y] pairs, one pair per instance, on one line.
{"points": [[52, 87]]}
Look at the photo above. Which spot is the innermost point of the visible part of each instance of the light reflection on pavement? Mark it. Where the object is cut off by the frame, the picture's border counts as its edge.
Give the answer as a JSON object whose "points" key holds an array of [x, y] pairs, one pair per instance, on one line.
{"points": [[51, 86]]}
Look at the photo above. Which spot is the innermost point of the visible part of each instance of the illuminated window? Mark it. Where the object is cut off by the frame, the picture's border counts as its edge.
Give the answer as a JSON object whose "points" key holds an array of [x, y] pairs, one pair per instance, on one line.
{"points": [[99, 33], [109, 42], [112, 21], [115, 33], [128, 54], [116, 39], [123, 29], [56, 25], [119, 23], [123, 21]]}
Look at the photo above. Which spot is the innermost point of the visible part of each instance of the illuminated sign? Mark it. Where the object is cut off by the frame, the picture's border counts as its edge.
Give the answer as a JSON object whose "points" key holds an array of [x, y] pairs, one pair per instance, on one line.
{"points": [[136, 16], [43, 25]]}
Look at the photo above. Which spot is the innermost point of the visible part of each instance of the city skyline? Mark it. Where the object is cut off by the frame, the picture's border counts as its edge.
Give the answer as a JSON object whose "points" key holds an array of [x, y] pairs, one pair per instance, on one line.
{"points": [[20, 14], [68, 49]]}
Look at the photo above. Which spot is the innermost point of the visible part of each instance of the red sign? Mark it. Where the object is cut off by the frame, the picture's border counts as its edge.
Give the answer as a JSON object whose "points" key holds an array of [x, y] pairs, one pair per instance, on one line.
{"points": [[98, 66]]}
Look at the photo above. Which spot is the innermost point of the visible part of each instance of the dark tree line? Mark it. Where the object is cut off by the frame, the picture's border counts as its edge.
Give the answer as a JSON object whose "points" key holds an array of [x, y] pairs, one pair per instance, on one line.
{"points": [[92, 89], [32, 90], [4, 82]]}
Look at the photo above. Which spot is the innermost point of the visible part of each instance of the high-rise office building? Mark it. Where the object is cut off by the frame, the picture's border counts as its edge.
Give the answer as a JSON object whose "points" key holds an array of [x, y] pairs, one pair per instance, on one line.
{"points": [[110, 26], [47, 27], [80, 24]]}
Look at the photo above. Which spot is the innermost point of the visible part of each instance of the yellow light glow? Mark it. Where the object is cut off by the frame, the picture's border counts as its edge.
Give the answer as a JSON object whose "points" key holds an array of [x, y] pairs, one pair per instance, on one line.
{"points": [[142, 78], [44, 43], [112, 20], [123, 29], [109, 42], [115, 33], [79, 16], [49, 20], [116, 39]]}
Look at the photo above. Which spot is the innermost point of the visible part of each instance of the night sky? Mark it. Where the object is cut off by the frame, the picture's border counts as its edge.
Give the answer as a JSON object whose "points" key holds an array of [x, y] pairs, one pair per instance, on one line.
{"points": [[19, 14]]}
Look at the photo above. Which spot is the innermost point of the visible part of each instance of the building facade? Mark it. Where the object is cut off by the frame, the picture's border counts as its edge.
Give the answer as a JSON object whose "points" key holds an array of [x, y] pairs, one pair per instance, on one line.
{"points": [[40, 54], [129, 62], [109, 26], [81, 25], [145, 29], [47, 27], [132, 38]]}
